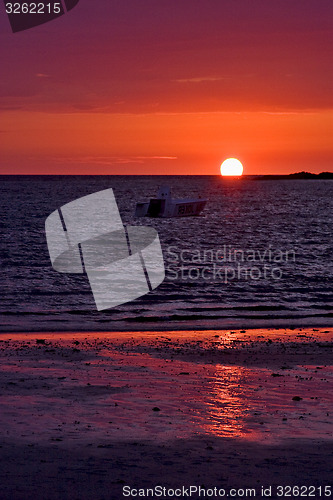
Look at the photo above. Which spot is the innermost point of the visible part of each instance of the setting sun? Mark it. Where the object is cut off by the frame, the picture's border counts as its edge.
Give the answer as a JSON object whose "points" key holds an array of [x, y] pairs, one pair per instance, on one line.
{"points": [[232, 166]]}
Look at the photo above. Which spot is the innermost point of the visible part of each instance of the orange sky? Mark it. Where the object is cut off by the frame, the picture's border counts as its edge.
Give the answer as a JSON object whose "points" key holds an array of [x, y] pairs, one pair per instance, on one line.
{"points": [[164, 143], [170, 88]]}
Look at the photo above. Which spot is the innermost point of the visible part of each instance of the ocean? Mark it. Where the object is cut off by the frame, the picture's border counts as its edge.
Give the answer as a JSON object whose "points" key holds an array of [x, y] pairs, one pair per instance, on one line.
{"points": [[259, 255]]}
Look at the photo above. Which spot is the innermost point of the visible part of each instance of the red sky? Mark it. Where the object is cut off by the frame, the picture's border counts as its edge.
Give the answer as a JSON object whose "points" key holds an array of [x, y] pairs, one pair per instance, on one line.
{"points": [[170, 86]]}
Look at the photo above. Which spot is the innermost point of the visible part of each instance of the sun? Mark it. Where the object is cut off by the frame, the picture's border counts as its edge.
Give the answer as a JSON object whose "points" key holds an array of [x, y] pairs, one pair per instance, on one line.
{"points": [[231, 166]]}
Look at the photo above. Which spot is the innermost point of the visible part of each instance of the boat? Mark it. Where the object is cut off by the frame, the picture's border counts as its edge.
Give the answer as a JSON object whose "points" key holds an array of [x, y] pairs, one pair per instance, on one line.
{"points": [[165, 206]]}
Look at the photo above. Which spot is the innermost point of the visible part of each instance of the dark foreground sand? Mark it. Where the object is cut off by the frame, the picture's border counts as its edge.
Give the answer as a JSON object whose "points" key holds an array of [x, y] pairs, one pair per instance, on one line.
{"points": [[83, 415]]}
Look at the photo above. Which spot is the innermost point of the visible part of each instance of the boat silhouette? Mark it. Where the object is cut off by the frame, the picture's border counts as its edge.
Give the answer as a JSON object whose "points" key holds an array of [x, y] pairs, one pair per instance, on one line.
{"points": [[165, 206]]}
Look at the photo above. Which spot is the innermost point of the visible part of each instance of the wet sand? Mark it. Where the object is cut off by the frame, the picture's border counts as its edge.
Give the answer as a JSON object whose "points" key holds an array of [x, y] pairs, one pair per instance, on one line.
{"points": [[83, 414]]}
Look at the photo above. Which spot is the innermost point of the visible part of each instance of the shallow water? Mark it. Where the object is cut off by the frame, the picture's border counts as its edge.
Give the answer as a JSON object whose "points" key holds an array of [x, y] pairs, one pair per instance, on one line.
{"points": [[152, 386]]}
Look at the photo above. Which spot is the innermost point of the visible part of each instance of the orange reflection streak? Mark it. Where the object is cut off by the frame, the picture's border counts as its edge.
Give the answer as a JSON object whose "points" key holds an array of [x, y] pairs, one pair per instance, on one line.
{"points": [[253, 405], [227, 406]]}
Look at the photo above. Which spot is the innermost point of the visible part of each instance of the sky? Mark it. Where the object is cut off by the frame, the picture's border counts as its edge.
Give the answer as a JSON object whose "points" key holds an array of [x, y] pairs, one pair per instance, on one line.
{"points": [[169, 87]]}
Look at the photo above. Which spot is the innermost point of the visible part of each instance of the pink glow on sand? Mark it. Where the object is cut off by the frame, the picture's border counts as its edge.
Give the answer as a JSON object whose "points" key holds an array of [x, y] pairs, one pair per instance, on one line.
{"points": [[89, 387]]}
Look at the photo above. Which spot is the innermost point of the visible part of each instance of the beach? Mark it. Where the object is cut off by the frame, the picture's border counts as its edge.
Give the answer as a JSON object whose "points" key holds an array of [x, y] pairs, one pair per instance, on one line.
{"points": [[85, 415]]}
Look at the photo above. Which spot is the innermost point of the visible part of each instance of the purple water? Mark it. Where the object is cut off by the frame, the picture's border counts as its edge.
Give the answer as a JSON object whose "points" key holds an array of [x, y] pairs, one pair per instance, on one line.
{"points": [[260, 254]]}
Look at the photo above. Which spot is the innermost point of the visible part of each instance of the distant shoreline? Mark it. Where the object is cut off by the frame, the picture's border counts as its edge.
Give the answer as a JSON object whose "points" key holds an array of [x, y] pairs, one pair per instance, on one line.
{"points": [[298, 175]]}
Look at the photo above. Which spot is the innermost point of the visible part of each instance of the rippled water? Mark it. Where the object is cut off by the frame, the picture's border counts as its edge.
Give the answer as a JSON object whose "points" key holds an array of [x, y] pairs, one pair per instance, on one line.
{"points": [[260, 254]]}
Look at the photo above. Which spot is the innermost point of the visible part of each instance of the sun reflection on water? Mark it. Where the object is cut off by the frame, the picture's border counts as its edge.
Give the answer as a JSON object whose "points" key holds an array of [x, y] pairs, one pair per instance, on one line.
{"points": [[227, 408]]}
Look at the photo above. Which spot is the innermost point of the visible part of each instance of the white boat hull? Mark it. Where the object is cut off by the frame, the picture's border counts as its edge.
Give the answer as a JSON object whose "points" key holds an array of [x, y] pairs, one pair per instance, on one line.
{"points": [[185, 209], [164, 206]]}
